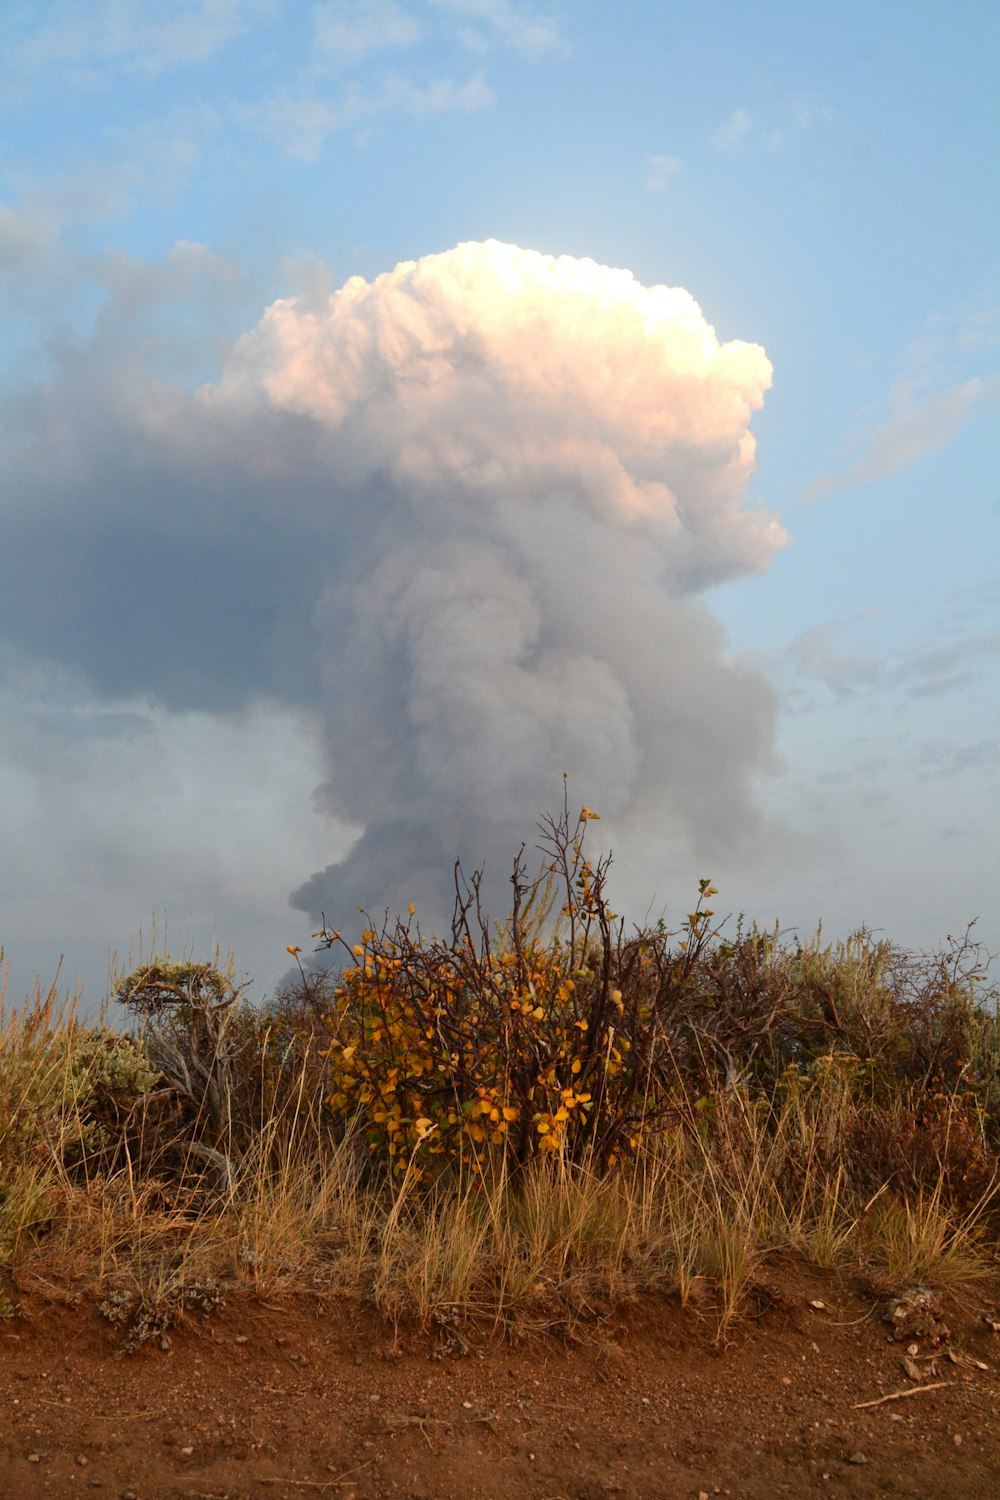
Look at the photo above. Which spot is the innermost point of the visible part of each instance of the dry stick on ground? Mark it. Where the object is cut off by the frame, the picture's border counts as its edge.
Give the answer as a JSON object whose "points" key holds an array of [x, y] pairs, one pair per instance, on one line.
{"points": [[417, 1421], [913, 1390], [316, 1484]]}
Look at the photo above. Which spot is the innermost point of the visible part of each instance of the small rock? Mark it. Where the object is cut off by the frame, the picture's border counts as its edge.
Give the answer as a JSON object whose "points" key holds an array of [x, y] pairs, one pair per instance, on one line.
{"points": [[82, 1460], [917, 1315], [34, 1458], [957, 1439], [187, 1452], [858, 1458]]}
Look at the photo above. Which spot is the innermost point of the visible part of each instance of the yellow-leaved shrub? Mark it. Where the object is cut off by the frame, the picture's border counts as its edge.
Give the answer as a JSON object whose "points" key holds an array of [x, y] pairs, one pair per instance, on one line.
{"points": [[541, 1037]]}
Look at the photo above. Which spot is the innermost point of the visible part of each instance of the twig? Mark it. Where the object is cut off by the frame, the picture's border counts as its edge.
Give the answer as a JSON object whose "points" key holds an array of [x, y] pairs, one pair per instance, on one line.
{"points": [[853, 1322], [306, 1484], [913, 1390], [316, 1484], [123, 1416], [417, 1421]]}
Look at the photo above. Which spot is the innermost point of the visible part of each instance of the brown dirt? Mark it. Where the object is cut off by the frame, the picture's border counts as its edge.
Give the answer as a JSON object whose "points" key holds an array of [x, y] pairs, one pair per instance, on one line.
{"points": [[264, 1402]]}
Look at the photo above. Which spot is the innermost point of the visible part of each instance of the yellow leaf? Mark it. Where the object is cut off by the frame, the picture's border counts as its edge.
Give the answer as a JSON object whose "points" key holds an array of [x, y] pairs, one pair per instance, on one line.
{"points": [[293, 949]]}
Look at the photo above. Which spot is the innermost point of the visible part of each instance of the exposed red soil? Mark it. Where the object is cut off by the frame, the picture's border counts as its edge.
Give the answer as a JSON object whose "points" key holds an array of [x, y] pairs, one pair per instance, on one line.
{"points": [[324, 1398]]}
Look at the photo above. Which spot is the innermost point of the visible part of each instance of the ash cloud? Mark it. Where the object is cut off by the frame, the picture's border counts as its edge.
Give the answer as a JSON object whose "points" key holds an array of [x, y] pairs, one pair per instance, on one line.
{"points": [[466, 514], [536, 467]]}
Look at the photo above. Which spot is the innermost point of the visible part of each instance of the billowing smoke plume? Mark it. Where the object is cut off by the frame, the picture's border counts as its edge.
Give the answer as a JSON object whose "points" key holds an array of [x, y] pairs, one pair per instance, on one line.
{"points": [[466, 513], [534, 467]]}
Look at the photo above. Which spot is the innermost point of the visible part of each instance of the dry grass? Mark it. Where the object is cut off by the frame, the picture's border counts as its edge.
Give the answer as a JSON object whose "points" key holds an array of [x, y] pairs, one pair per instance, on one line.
{"points": [[875, 1151], [921, 1241]]}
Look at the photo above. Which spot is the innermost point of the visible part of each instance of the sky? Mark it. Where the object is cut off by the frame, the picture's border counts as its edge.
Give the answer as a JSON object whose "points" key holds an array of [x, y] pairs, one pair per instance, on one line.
{"points": [[404, 403]]}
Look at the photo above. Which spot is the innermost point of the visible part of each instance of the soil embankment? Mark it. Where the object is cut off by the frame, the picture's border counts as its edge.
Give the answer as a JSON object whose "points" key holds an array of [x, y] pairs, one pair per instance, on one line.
{"points": [[321, 1398]]}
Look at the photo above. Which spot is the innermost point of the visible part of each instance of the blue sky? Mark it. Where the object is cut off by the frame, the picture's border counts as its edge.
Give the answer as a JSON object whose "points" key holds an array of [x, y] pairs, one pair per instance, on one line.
{"points": [[821, 180]]}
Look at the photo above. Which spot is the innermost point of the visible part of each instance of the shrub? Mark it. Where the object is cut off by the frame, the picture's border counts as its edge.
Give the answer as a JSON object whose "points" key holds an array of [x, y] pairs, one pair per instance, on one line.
{"points": [[503, 1045], [64, 1090], [233, 1072], [559, 1034]]}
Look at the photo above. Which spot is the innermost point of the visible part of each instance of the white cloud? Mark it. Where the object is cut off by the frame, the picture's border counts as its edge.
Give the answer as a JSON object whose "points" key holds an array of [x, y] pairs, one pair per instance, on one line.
{"points": [[25, 237], [823, 654], [529, 32], [948, 759], [302, 124], [89, 36], [916, 429], [800, 114], [732, 134], [438, 96], [926, 406], [776, 130], [820, 655], [348, 31], [940, 669], [979, 329], [660, 169], [913, 430]]}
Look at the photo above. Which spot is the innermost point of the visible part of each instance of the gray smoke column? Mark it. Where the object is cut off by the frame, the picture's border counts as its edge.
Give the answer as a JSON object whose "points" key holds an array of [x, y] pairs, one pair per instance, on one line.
{"points": [[532, 469]]}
